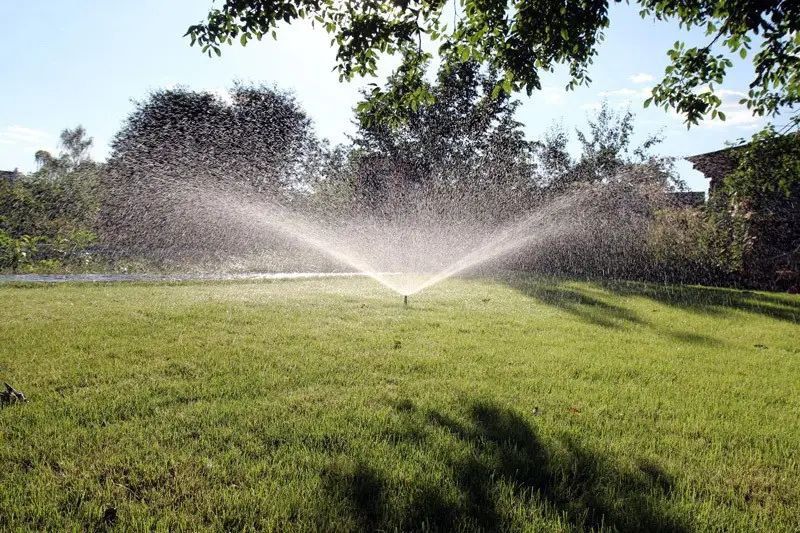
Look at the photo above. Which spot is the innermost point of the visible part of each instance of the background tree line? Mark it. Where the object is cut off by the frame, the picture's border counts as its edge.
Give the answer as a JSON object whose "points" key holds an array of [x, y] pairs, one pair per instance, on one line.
{"points": [[463, 155], [753, 236], [48, 217]]}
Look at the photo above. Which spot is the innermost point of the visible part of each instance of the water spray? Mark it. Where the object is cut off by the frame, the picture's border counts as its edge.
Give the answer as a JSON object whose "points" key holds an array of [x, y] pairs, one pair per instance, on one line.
{"points": [[406, 256]]}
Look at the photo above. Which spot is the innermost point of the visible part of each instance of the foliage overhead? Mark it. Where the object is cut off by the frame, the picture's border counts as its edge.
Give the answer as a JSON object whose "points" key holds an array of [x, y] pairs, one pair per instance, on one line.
{"points": [[525, 38]]}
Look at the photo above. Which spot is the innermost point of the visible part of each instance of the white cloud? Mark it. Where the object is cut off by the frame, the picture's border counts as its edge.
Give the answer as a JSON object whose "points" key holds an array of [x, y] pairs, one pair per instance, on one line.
{"points": [[736, 114], [641, 77], [618, 98], [553, 95], [19, 143], [727, 92], [627, 93], [22, 136], [596, 105], [722, 93]]}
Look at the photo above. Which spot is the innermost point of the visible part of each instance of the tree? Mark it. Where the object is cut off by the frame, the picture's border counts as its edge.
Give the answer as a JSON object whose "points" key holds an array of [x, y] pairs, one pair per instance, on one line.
{"points": [[50, 216], [179, 144], [768, 165], [44, 159], [606, 151], [74, 149], [69, 181], [527, 37], [258, 137], [607, 155], [758, 212], [75, 146], [554, 160], [465, 145]]}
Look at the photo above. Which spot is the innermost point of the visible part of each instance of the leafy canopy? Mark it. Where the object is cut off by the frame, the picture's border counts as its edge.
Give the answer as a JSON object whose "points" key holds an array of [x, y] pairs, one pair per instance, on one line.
{"points": [[459, 145], [524, 38]]}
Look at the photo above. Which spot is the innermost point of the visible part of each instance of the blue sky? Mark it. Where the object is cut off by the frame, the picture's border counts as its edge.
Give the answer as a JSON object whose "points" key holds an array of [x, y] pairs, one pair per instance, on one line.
{"points": [[70, 62]]}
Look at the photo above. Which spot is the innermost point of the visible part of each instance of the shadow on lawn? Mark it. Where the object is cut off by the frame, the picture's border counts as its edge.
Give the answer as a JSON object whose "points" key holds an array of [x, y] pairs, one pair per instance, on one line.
{"points": [[579, 303], [503, 452], [588, 303], [592, 309], [710, 300]]}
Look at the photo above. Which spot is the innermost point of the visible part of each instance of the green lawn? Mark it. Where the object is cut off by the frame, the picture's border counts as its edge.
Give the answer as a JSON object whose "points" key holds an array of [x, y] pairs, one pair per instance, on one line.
{"points": [[327, 405]]}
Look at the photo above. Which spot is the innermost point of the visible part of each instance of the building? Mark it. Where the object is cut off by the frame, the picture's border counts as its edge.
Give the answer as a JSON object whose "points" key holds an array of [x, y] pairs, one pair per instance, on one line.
{"points": [[9, 176], [768, 233], [715, 165]]}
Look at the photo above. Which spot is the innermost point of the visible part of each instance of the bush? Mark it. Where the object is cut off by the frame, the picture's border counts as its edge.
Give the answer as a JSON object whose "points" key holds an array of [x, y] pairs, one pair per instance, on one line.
{"points": [[8, 247], [680, 244], [756, 213]]}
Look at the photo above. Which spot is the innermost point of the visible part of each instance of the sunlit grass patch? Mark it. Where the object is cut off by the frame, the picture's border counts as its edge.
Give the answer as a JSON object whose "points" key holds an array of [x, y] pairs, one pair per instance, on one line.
{"points": [[327, 404]]}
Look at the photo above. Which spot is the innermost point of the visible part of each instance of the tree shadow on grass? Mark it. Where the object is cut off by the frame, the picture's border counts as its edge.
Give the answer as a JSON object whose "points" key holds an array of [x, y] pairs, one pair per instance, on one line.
{"points": [[593, 310], [504, 453], [580, 304], [711, 300]]}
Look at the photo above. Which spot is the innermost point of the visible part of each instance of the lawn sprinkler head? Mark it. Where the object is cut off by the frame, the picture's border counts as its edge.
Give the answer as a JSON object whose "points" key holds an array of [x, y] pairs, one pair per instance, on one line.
{"points": [[405, 300]]}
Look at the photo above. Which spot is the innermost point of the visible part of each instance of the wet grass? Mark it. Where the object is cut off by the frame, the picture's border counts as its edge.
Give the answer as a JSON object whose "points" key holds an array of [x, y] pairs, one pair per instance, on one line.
{"points": [[326, 405]]}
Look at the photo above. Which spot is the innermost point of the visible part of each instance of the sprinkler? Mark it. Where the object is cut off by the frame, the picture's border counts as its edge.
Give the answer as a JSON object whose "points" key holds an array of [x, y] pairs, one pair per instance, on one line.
{"points": [[405, 300]]}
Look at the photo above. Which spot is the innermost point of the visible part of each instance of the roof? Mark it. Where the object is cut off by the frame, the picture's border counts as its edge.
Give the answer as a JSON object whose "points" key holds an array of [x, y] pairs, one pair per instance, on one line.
{"points": [[719, 163], [715, 165], [9, 175], [723, 152]]}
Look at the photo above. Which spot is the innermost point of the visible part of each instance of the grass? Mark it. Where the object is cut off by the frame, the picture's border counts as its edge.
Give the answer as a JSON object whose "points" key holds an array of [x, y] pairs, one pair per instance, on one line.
{"points": [[326, 405]]}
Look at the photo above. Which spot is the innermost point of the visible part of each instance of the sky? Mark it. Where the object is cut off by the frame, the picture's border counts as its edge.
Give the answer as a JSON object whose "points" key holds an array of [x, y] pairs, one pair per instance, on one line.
{"points": [[70, 62]]}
